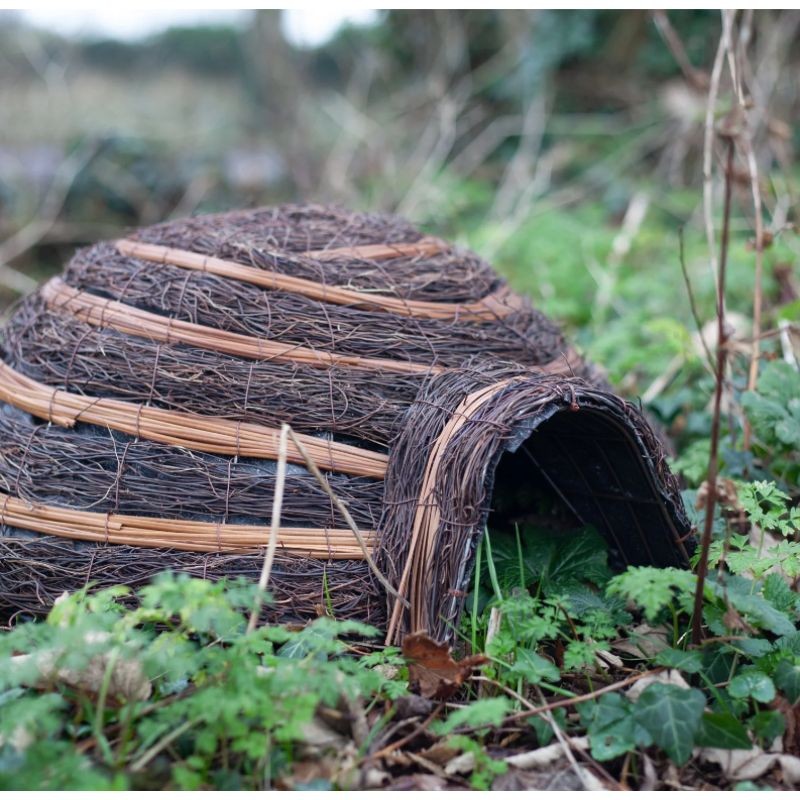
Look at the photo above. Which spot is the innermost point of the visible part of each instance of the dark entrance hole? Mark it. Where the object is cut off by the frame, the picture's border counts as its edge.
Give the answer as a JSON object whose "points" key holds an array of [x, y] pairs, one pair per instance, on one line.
{"points": [[585, 468]]}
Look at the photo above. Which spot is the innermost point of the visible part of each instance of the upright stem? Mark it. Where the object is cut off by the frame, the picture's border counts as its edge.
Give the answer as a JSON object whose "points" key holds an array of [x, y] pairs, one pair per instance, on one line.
{"points": [[713, 459]]}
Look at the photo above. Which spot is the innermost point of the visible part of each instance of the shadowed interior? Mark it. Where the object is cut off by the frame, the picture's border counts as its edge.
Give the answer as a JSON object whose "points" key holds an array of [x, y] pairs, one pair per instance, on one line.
{"points": [[585, 469]]}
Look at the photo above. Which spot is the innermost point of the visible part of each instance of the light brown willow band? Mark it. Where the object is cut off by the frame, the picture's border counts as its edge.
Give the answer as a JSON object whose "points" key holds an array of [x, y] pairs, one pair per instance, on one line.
{"points": [[413, 582], [192, 431], [104, 313], [101, 312], [203, 537], [497, 305]]}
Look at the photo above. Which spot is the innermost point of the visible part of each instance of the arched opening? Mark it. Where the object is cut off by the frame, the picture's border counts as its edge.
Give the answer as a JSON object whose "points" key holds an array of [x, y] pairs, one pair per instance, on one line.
{"points": [[586, 468]]}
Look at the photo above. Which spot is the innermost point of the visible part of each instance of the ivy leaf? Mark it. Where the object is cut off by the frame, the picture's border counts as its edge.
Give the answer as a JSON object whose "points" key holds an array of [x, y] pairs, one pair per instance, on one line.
{"points": [[612, 728], [723, 731], [687, 660], [787, 679], [752, 683], [672, 716]]}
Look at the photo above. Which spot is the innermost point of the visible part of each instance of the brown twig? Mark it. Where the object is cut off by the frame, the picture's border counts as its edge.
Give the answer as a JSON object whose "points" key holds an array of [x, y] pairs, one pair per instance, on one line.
{"points": [[572, 701], [342, 508], [390, 748], [713, 460], [694, 77], [692, 302]]}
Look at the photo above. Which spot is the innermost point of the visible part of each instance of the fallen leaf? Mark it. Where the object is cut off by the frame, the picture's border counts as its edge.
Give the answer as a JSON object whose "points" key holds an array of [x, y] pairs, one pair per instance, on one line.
{"points": [[671, 677], [432, 669], [643, 640], [128, 678], [748, 765], [544, 756], [461, 765], [419, 782]]}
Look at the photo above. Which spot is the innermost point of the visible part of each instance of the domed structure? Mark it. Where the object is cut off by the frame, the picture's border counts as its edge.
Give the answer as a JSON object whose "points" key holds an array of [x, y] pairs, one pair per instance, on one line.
{"points": [[144, 390]]}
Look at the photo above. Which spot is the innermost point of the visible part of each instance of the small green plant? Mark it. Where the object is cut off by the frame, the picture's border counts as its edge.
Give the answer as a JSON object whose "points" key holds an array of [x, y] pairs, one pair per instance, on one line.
{"points": [[188, 699]]}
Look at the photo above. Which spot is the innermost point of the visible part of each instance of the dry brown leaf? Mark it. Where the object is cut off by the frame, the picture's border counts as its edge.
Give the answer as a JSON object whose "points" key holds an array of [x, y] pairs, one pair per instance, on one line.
{"points": [[748, 765], [432, 669], [670, 677]]}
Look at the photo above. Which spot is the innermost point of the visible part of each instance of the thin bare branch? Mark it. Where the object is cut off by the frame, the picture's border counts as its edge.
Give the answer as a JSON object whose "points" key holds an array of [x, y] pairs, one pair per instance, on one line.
{"points": [[275, 524]]}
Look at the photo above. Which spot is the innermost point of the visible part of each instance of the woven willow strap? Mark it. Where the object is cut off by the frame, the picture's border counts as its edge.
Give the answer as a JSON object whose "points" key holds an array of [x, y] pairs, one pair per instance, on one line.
{"points": [[192, 431], [413, 582], [497, 305], [202, 537], [101, 312]]}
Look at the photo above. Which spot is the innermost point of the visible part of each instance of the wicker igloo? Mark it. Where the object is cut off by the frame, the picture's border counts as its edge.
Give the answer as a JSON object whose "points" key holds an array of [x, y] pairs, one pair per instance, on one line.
{"points": [[143, 391]]}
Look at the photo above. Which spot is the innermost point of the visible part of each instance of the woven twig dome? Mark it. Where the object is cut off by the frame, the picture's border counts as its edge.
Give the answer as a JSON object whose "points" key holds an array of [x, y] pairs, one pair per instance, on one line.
{"points": [[143, 392]]}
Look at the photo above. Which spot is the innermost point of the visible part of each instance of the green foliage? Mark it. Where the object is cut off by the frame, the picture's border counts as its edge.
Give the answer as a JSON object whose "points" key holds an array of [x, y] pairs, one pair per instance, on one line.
{"points": [[478, 714], [612, 727], [722, 730], [557, 561], [752, 683], [653, 589], [774, 413], [671, 715], [216, 689]]}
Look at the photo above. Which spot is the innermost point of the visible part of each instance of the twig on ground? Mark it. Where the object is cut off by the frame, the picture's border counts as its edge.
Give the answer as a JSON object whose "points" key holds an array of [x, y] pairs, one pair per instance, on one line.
{"points": [[421, 728], [572, 701]]}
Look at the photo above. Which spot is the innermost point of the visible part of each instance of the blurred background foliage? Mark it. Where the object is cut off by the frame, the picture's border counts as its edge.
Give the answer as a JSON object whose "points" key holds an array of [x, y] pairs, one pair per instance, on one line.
{"points": [[566, 147]]}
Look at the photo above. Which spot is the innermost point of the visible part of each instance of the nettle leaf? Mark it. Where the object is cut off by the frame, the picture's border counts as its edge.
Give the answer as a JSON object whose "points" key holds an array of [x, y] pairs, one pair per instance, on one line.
{"points": [[653, 589], [478, 714], [774, 410], [560, 561], [787, 679], [687, 660], [582, 602], [723, 731], [779, 594], [534, 668], [752, 683], [612, 728], [753, 648], [739, 592], [577, 559], [672, 716]]}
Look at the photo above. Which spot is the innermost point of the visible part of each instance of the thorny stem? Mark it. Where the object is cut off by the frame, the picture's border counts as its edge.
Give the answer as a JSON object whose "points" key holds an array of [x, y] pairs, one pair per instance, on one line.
{"points": [[713, 459]]}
